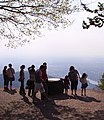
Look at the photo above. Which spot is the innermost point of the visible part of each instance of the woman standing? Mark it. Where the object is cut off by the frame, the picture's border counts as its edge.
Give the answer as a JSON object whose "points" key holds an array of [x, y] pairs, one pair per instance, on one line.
{"points": [[5, 77], [22, 77], [73, 76], [31, 79]]}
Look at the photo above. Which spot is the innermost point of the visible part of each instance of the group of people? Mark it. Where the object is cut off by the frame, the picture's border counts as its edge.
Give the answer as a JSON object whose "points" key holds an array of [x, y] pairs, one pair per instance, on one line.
{"points": [[38, 80], [73, 77], [8, 75]]}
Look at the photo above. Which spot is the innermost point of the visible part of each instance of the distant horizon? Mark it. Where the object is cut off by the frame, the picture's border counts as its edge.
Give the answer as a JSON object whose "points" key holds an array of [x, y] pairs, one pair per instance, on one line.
{"points": [[16, 62], [60, 67]]}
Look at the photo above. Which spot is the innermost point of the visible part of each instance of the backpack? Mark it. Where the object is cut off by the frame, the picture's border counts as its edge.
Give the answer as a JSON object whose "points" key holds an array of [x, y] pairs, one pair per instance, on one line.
{"points": [[37, 77], [73, 76]]}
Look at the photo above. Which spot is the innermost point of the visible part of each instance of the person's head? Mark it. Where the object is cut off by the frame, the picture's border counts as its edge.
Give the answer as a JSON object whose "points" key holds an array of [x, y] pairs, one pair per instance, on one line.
{"points": [[10, 65], [66, 77], [22, 67], [84, 75], [5, 67], [32, 66], [71, 68], [42, 67], [45, 64]]}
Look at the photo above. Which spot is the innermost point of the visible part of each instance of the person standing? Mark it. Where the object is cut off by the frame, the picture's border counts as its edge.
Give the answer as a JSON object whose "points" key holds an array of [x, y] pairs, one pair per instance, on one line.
{"points": [[44, 79], [66, 84], [84, 85], [31, 80], [22, 78], [73, 76], [38, 84], [10, 74], [5, 77]]}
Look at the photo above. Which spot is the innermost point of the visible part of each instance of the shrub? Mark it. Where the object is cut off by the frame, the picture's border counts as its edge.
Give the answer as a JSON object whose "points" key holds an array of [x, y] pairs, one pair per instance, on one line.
{"points": [[101, 85]]}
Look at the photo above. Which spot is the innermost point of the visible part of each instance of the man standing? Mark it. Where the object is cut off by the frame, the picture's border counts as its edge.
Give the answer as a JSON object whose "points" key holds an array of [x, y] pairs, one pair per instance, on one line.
{"points": [[10, 74], [44, 79]]}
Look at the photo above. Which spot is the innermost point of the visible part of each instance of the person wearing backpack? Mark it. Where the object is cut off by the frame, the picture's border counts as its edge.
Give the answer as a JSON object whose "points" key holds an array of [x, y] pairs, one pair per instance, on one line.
{"points": [[38, 84], [73, 76]]}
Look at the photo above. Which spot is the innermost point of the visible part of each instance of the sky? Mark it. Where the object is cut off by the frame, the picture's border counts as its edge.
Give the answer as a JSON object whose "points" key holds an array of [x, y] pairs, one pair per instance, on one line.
{"points": [[71, 42]]}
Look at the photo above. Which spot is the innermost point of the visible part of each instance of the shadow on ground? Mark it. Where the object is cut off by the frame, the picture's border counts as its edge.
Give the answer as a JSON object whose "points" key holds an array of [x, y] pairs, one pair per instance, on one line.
{"points": [[12, 92], [81, 98], [23, 110]]}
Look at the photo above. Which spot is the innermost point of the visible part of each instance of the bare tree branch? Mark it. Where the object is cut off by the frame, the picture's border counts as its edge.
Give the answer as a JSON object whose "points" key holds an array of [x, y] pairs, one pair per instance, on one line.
{"points": [[98, 19], [22, 20]]}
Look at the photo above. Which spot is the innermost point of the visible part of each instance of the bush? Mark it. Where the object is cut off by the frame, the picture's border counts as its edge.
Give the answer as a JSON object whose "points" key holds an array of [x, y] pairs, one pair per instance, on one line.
{"points": [[101, 85]]}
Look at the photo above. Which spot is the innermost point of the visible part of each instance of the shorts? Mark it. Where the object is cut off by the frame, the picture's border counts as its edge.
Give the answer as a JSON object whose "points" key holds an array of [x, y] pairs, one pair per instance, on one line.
{"points": [[39, 87], [74, 85], [84, 85]]}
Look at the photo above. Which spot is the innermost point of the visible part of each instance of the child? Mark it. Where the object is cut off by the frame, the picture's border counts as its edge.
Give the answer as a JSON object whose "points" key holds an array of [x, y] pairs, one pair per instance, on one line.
{"points": [[84, 85], [66, 84]]}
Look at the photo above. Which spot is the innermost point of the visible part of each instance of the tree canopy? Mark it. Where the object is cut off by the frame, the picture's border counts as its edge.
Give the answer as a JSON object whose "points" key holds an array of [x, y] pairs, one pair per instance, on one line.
{"points": [[98, 19], [21, 20]]}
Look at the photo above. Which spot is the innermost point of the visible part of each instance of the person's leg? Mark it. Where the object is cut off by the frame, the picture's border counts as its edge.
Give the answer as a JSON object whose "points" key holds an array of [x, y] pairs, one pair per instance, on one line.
{"points": [[82, 92], [75, 91], [10, 84], [44, 96], [5, 84], [29, 90], [66, 91], [75, 86], [43, 93], [34, 97], [20, 88], [23, 89], [46, 90], [32, 88], [36, 89], [71, 88], [85, 92]]}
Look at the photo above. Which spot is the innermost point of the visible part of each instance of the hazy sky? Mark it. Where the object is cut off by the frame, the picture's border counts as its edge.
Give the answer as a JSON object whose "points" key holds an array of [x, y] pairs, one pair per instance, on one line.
{"points": [[73, 41]]}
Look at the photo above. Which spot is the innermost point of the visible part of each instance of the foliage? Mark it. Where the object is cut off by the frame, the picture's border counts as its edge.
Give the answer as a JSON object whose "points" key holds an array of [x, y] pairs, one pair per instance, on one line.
{"points": [[21, 20], [98, 19], [101, 85]]}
